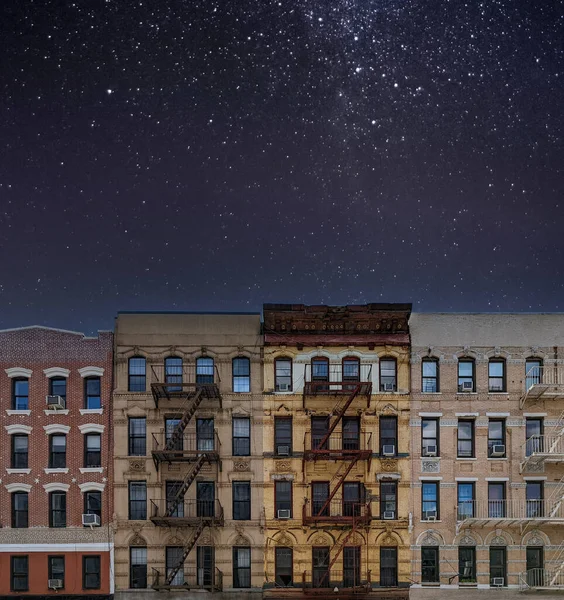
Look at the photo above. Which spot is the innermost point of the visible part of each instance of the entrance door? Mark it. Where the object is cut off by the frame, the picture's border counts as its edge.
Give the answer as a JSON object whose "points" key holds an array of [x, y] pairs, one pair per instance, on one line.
{"points": [[320, 564], [535, 566], [430, 565], [388, 567], [205, 496]]}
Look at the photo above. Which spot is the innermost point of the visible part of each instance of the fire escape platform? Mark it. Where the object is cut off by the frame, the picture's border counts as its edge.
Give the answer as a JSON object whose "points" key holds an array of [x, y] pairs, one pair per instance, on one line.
{"points": [[350, 593], [162, 391], [546, 383], [186, 449], [336, 454], [191, 513], [171, 521]]}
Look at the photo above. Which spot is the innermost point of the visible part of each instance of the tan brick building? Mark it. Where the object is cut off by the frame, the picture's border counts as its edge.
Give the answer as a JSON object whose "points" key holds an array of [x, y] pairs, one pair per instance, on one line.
{"points": [[56, 463], [486, 420], [188, 453]]}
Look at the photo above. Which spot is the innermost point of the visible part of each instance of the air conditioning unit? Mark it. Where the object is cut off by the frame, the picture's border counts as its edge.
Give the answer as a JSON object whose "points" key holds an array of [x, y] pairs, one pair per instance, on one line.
{"points": [[496, 387], [467, 386], [284, 513], [430, 515], [498, 581], [55, 402], [389, 514], [91, 520], [55, 584], [388, 450], [389, 387], [283, 387], [498, 450], [431, 451], [283, 450]]}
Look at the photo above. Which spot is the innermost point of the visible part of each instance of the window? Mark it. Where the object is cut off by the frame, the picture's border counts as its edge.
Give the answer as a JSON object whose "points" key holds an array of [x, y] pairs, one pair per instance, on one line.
{"points": [[173, 442], [283, 375], [92, 393], [430, 437], [204, 370], [204, 435], [467, 564], [466, 500], [430, 500], [351, 372], [465, 439], [533, 372], [57, 509], [283, 497], [534, 428], [20, 574], [241, 500], [205, 560], [173, 559], [535, 565], [351, 566], [91, 572], [388, 436], [137, 374], [430, 564], [137, 436], [496, 500], [496, 375], [283, 436], [56, 568], [241, 374], [319, 429], [173, 373], [535, 499], [351, 499], [20, 446], [388, 566], [241, 567], [57, 451], [20, 394], [58, 387], [320, 369], [320, 566], [283, 567], [174, 504], [429, 375], [388, 380], [388, 499], [137, 500], [498, 566], [138, 568], [466, 375], [496, 438], [241, 436], [205, 498], [92, 450], [20, 508], [319, 495], [93, 504], [351, 433]]}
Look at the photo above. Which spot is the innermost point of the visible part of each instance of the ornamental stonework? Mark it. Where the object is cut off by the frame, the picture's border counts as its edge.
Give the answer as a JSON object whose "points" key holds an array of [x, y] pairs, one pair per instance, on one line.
{"points": [[241, 465], [389, 465], [430, 466]]}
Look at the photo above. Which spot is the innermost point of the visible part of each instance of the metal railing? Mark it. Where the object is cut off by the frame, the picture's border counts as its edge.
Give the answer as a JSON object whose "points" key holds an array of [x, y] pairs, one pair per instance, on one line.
{"points": [[188, 444], [541, 380], [338, 442], [337, 511], [189, 512], [342, 579], [337, 379], [541, 578], [486, 510], [175, 376], [189, 578]]}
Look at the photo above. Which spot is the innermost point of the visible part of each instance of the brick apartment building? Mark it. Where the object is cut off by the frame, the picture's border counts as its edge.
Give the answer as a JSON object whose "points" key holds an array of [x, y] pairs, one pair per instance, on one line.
{"points": [[56, 465]]}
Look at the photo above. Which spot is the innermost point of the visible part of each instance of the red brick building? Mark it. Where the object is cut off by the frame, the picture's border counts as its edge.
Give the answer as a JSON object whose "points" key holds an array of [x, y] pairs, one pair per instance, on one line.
{"points": [[56, 499]]}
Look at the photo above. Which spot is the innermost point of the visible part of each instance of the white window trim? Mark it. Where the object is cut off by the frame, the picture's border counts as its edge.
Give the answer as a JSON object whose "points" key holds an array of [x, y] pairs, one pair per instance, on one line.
{"points": [[18, 487], [467, 414], [466, 479], [56, 428], [91, 411], [91, 470], [64, 411], [18, 471], [14, 412], [535, 478], [91, 428], [92, 486], [56, 487], [430, 414], [56, 372], [91, 372], [18, 372], [13, 429], [54, 471], [495, 414], [497, 478], [535, 414], [430, 478]]}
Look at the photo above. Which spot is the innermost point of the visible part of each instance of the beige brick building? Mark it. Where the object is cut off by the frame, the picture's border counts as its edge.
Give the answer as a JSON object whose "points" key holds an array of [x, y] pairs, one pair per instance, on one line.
{"points": [[188, 453], [486, 421]]}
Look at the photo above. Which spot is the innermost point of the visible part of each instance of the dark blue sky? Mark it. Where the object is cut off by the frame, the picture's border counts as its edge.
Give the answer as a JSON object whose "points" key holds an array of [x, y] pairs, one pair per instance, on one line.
{"points": [[212, 155]]}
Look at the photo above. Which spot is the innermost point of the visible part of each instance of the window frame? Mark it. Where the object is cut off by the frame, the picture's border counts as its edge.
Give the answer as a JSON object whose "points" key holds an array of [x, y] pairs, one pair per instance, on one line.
{"points": [[55, 513], [54, 455], [533, 379], [88, 396], [92, 511], [15, 512], [203, 377], [239, 380], [281, 442], [437, 437], [348, 378], [472, 578], [235, 438], [466, 514], [534, 506], [90, 455], [241, 508], [52, 388], [534, 441], [131, 503], [96, 572], [492, 512], [50, 571], [381, 377], [435, 552], [174, 379], [289, 551], [132, 436], [383, 502], [434, 378], [132, 568], [436, 500], [17, 455], [141, 386], [277, 376], [460, 440], [503, 378], [472, 377], [24, 575], [277, 501], [237, 568], [16, 395], [382, 440], [491, 440]]}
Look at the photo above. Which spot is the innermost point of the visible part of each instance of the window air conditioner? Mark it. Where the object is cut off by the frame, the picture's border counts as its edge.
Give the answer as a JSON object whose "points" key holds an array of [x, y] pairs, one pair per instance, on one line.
{"points": [[467, 386], [431, 451], [55, 584], [284, 513], [498, 450], [283, 450], [389, 514], [389, 387], [283, 387], [430, 515], [55, 402], [91, 520], [388, 450], [497, 581], [496, 387]]}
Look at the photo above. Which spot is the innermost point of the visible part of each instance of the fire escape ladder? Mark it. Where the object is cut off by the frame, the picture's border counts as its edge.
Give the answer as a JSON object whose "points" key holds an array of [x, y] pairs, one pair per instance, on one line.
{"points": [[341, 479], [189, 409], [340, 546], [339, 410], [186, 551], [186, 483], [556, 498]]}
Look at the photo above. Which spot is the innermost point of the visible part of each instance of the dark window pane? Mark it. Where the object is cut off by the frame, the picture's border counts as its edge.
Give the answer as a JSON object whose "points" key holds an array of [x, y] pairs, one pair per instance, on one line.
{"points": [[138, 568], [91, 572], [93, 393], [137, 436], [20, 399], [137, 374], [283, 375], [204, 370]]}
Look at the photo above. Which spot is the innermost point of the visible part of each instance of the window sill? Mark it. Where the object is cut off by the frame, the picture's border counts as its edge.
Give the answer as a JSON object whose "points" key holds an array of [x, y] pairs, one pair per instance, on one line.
{"points": [[49, 471], [18, 412], [64, 411], [498, 393], [425, 521], [18, 471], [91, 469], [466, 393], [497, 457], [462, 458], [432, 393], [91, 411]]}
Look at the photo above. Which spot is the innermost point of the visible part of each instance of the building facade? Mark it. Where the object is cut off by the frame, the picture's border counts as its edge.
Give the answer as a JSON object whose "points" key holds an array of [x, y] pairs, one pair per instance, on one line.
{"points": [[55, 492], [336, 450], [188, 453], [487, 423]]}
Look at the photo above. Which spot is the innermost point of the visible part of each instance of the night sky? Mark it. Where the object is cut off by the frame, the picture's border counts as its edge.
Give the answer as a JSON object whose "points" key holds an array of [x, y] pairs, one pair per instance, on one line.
{"points": [[218, 154]]}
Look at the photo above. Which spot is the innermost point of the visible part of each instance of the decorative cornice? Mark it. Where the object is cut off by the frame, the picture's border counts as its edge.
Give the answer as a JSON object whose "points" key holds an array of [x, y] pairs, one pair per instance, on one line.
{"points": [[56, 487], [91, 371], [18, 372], [91, 428], [14, 429], [56, 372], [56, 428]]}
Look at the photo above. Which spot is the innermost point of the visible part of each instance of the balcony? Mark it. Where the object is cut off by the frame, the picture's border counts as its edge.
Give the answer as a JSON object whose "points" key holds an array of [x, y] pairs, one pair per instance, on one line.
{"points": [[187, 448], [189, 578], [509, 512], [189, 513], [184, 382], [328, 379], [337, 513], [543, 383], [338, 446], [335, 583], [542, 579], [543, 449]]}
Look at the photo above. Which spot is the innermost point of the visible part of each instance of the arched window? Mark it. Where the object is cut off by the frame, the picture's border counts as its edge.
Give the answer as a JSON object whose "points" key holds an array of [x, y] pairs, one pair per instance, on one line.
{"points": [[173, 373], [351, 368], [241, 374], [496, 375], [533, 372], [388, 374], [429, 375], [137, 372], [466, 375], [283, 374], [204, 370]]}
